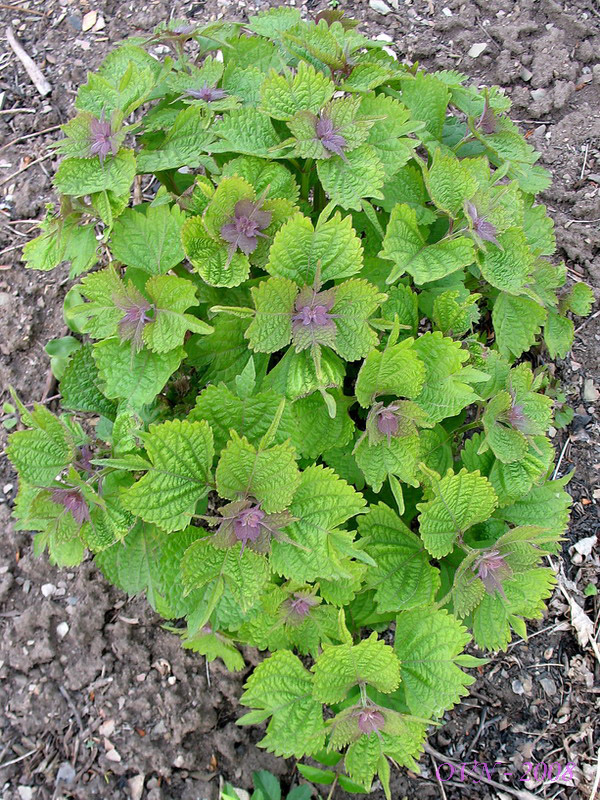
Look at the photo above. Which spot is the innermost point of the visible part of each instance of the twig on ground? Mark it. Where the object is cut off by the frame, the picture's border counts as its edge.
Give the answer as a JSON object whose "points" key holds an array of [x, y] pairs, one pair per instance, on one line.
{"points": [[437, 776], [560, 458], [596, 779], [585, 158], [71, 705], [585, 322], [20, 758], [21, 10], [18, 111], [32, 69], [29, 136], [31, 164]]}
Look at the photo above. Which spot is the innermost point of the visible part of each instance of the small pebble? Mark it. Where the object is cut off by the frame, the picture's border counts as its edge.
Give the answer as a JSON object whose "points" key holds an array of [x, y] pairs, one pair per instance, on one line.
{"points": [[477, 49], [548, 686], [89, 20], [25, 792], [590, 393], [74, 21], [62, 629], [380, 7], [113, 755], [48, 589]]}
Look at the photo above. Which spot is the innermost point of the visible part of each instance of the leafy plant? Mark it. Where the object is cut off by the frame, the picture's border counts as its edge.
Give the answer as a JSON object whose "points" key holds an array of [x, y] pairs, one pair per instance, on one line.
{"points": [[298, 409], [267, 787]]}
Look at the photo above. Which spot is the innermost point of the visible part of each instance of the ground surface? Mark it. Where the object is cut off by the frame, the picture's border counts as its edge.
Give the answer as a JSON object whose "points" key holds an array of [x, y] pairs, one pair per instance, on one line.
{"points": [[108, 705]]}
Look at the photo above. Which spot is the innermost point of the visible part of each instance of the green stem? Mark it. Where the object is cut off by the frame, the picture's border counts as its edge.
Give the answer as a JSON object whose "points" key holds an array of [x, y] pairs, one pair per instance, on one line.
{"points": [[305, 178]]}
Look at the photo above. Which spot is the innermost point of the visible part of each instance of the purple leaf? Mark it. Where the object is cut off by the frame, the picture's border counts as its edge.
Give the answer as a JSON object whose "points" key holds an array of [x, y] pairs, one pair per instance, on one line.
{"points": [[74, 502], [247, 223], [103, 140], [206, 93], [329, 136], [484, 229]]}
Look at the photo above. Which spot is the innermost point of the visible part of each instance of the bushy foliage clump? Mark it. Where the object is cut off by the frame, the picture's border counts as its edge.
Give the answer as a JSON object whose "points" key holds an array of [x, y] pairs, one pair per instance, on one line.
{"points": [[299, 412]]}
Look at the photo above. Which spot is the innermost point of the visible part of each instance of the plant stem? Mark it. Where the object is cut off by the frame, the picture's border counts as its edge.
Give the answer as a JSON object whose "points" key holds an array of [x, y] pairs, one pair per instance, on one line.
{"points": [[305, 178], [332, 790]]}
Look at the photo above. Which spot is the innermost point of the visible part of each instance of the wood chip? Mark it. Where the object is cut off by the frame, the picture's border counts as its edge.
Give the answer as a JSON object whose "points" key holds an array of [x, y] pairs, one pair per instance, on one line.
{"points": [[89, 20], [34, 72]]}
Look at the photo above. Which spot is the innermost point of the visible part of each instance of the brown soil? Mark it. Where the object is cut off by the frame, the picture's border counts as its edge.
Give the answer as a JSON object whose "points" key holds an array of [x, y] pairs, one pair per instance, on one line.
{"points": [[87, 709]]}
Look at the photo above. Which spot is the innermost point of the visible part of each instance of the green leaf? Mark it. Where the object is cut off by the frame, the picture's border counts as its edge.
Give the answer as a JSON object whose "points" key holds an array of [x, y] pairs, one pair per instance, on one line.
{"points": [[517, 323], [271, 328], [398, 457], [244, 574], [181, 454], [245, 130], [133, 564], [210, 258], [42, 452], [314, 431], [388, 135], [80, 385], [300, 251], [303, 90], [447, 388], [559, 333], [187, 143], [264, 176], [148, 237], [266, 783], [355, 302], [403, 578], [458, 502], [523, 597], [341, 667], [347, 182], [171, 296], [271, 476], [396, 371], [322, 503], [508, 268], [427, 98], [281, 688], [213, 646], [580, 299], [450, 183], [406, 246], [428, 642], [134, 378], [247, 416], [80, 176]]}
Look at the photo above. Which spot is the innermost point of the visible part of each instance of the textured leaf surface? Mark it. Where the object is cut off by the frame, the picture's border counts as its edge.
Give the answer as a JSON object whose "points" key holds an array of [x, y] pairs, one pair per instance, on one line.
{"points": [[135, 378], [341, 667], [80, 385], [322, 503], [181, 454], [244, 574], [347, 182], [459, 502], [300, 251], [149, 238], [396, 371], [42, 452], [281, 688], [517, 323], [406, 246], [403, 578], [271, 476], [427, 642], [271, 328], [79, 176]]}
